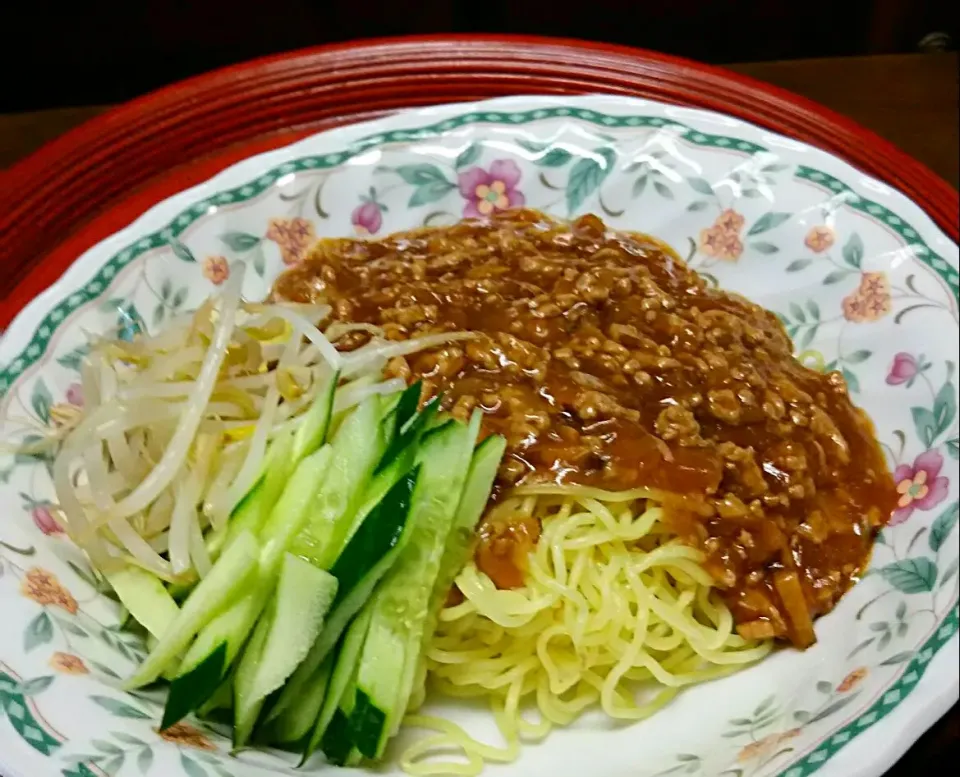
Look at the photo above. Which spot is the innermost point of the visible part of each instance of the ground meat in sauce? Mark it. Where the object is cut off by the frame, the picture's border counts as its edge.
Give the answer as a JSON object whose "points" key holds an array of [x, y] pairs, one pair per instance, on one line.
{"points": [[604, 360]]}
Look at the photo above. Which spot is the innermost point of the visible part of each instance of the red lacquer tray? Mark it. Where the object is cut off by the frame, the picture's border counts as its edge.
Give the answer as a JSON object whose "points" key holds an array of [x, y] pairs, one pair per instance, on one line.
{"points": [[96, 179]]}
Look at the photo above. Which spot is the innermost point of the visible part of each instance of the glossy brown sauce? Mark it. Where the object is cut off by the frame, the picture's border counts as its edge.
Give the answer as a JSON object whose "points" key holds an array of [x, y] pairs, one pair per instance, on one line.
{"points": [[604, 360]]}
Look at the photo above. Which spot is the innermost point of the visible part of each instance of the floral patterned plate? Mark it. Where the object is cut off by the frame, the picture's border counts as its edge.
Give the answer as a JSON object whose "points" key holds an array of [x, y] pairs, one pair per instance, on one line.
{"points": [[861, 277]]}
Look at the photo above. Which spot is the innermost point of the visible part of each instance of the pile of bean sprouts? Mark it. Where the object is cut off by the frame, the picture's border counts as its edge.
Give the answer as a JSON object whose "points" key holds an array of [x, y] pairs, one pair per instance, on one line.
{"points": [[176, 425]]}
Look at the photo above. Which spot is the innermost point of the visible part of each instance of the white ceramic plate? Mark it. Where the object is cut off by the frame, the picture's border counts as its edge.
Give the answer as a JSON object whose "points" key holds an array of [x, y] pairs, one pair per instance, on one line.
{"points": [[864, 281]]}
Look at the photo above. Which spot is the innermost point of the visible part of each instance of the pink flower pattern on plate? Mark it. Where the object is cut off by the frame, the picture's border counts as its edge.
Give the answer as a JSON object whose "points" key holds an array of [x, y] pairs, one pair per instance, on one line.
{"points": [[44, 520], [904, 368], [487, 191], [921, 486], [75, 395], [367, 218]]}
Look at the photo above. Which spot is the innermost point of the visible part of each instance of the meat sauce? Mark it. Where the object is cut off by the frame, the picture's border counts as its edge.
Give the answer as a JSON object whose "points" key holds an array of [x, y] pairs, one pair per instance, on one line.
{"points": [[605, 361]]}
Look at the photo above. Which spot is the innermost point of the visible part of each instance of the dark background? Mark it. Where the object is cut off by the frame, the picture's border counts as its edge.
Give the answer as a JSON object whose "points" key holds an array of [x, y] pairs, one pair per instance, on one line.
{"points": [[59, 54]]}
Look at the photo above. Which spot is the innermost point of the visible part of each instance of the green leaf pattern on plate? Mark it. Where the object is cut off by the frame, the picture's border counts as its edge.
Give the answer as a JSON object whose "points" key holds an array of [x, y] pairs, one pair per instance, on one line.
{"points": [[180, 250], [912, 575], [239, 241], [586, 176], [943, 526], [767, 222], [39, 631], [468, 156]]}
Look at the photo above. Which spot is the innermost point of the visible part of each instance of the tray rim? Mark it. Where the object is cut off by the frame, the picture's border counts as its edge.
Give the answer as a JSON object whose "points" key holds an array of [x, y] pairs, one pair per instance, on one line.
{"points": [[59, 200], [935, 698]]}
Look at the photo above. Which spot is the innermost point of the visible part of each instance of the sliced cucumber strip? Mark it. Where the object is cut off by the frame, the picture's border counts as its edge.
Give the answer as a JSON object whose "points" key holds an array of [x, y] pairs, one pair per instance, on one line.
{"points": [[293, 508], [255, 507], [225, 635], [245, 706], [146, 598], [229, 575], [312, 432], [290, 727], [234, 624], [402, 603], [401, 462], [284, 635], [230, 628], [283, 455], [357, 445], [344, 673], [414, 430], [366, 559], [476, 493]]}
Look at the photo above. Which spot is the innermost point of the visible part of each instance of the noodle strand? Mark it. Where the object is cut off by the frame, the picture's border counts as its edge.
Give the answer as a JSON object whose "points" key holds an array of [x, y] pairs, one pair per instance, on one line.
{"points": [[616, 613]]}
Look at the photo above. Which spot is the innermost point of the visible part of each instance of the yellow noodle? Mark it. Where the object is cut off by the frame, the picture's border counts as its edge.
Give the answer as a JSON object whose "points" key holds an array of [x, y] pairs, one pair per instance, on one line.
{"points": [[616, 614], [567, 492]]}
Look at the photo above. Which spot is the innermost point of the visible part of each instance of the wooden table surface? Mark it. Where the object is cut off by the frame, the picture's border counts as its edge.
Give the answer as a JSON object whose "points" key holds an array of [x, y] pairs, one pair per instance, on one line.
{"points": [[911, 100]]}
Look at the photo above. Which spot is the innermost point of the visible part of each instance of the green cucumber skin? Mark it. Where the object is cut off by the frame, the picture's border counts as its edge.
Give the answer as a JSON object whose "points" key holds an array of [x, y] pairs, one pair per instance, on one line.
{"points": [[233, 626], [342, 677], [220, 702], [312, 433], [378, 487], [229, 575], [367, 557], [400, 609], [189, 690], [401, 461], [367, 722], [409, 437], [336, 742], [376, 536], [291, 727], [347, 708], [407, 407]]}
